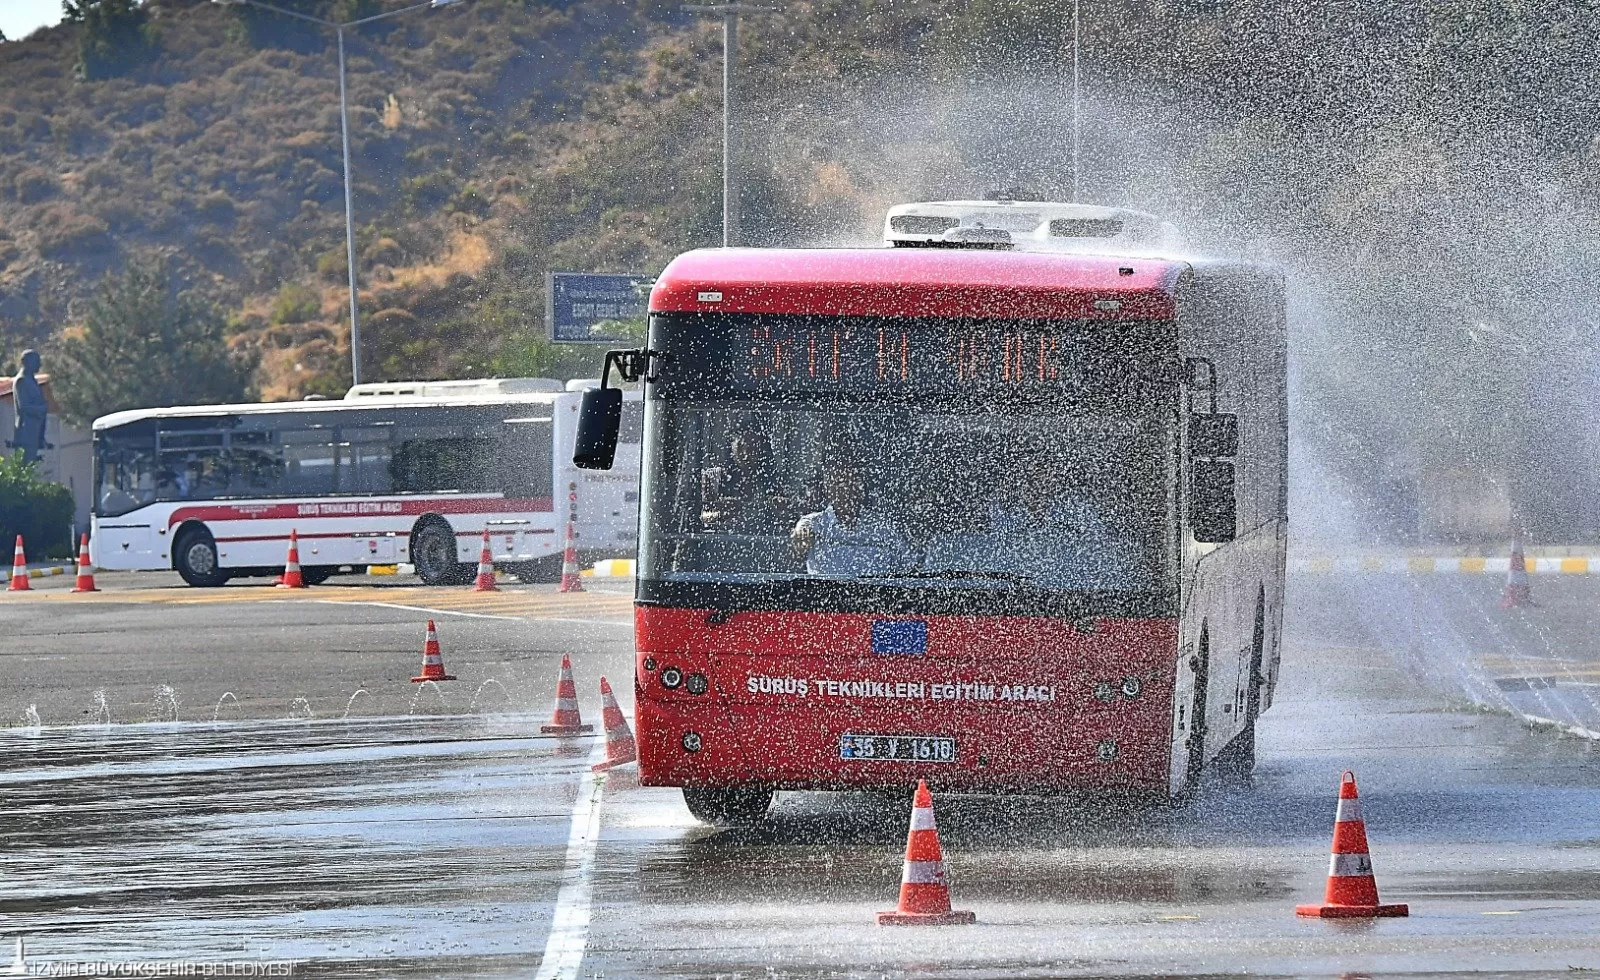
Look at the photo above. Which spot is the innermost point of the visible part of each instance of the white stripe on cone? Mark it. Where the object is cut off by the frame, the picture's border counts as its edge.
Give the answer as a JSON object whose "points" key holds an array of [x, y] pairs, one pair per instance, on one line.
{"points": [[922, 818], [1349, 811], [1350, 866], [923, 873]]}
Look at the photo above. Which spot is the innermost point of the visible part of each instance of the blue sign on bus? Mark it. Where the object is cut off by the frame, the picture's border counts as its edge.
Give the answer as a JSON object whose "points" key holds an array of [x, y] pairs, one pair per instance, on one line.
{"points": [[596, 308]]}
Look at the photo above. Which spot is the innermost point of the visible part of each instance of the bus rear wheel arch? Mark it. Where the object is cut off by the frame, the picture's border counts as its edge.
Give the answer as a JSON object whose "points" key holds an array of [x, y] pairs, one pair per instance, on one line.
{"points": [[195, 558], [739, 807], [433, 553]]}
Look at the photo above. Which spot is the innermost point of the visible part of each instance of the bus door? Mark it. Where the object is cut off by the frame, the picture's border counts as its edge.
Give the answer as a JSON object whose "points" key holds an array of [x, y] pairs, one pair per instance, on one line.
{"points": [[607, 500], [128, 530]]}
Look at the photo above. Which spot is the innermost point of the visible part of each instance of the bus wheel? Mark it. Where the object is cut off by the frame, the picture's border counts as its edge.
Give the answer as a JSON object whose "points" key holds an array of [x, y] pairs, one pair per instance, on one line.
{"points": [[195, 559], [728, 807], [1237, 760], [433, 552]]}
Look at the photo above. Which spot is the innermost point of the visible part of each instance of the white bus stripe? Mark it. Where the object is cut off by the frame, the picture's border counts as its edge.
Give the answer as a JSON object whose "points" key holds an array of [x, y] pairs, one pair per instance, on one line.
{"points": [[569, 925]]}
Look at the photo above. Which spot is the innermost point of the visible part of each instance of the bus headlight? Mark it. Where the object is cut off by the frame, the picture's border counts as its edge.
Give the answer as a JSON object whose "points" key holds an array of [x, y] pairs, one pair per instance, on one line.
{"points": [[671, 678], [691, 741], [1103, 691], [1131, 686], [697, 684], [1106, 751]]}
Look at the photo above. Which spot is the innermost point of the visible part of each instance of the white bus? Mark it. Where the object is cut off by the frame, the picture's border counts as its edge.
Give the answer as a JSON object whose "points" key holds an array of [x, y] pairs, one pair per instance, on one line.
{"points": [[410, 472]]}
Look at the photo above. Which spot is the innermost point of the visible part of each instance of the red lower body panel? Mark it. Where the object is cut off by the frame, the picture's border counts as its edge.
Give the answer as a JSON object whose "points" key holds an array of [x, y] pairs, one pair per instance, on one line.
{"points": [[1031, 704]]}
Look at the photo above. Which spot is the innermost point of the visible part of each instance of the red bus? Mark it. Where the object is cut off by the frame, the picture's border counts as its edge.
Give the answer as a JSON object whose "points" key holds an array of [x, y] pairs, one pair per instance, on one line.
{"points": [[1007, 521]]}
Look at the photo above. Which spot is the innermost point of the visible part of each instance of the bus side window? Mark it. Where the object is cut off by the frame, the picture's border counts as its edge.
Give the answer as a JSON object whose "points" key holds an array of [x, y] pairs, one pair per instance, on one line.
{"points": [[308, 457], [364, 460]]}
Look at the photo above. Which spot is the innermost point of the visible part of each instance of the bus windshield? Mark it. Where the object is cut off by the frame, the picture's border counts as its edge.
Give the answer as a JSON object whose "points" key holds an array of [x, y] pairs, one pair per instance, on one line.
{"points": [[1052, 487]]}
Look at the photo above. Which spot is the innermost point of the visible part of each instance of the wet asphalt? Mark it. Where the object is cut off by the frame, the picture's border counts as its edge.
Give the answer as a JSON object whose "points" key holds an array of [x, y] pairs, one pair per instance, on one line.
{"points": [[436, 843]]}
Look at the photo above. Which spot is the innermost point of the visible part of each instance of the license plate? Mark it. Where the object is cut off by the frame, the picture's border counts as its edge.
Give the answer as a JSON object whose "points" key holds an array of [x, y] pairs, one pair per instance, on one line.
{"points": [[897, 748]]}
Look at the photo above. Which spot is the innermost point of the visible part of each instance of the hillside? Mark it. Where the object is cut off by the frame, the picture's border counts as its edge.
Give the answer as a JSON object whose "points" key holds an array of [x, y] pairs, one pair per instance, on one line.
{"points": [[1425, 171]]}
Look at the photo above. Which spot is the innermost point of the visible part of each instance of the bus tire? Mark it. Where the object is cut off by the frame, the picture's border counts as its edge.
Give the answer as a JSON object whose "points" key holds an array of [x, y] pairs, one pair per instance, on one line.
{"points": [[433, 552], [728, 807], [1237, 760], [194, 558]]}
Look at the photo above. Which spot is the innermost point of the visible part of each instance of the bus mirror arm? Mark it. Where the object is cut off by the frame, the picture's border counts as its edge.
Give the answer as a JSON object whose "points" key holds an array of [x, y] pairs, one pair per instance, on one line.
{"points": [[631, 365]]}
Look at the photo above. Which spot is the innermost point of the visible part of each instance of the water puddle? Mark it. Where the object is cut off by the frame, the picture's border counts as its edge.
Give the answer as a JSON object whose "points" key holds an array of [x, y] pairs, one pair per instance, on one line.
{"points": [[373, 843]]}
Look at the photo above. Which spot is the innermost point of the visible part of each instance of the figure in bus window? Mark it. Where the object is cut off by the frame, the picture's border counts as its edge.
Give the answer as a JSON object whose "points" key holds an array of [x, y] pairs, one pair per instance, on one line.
{"points": [[848, 537], [744, 495]]}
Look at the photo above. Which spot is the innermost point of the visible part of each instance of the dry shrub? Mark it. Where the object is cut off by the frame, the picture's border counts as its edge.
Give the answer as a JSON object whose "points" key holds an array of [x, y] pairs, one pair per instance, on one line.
{"points": [[67, 233], [34, 185]]}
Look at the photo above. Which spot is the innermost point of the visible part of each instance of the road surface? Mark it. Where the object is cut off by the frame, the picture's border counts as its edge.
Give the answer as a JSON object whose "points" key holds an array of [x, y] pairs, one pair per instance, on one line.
{"points": [[443, 843]]}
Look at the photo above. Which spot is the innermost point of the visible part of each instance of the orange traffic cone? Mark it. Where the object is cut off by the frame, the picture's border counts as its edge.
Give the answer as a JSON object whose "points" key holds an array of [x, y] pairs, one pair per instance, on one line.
{"points": [[432, 659], [566, 720], [1352, 890], [85, 570], [620, 747], [291, 566], [924, 892], [19, 570], [1518, 592], [485, 582], [571, 576]]}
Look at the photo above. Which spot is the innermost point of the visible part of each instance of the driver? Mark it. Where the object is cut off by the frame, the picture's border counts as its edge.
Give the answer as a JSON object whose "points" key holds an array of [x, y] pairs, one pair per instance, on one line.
{"points": [[848, 538], [743, 496]]}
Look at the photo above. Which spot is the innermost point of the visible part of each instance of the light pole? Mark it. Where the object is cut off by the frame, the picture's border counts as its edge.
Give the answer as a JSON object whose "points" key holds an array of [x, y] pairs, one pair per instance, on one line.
{"points": [[1077, 100], [729, 12], [344, 134]]}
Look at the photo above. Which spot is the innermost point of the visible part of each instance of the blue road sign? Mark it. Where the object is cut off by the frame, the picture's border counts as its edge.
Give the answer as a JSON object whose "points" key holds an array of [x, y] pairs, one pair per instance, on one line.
{"points": [[596, 308]]}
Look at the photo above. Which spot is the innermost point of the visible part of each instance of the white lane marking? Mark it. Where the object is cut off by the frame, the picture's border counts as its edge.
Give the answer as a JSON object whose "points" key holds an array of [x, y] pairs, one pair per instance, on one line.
{"points": [[421, 609], [457, 612], [569, 926]]}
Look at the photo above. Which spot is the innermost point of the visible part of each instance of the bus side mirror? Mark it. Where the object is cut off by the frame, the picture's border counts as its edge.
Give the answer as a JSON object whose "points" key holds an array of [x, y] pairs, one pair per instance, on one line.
{"points": [[1212, 513], [599, 422]]}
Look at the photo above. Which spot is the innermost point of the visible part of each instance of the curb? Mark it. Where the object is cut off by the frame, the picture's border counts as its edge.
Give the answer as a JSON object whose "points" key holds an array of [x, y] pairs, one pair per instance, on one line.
{"points": [[1561, 726], [1431, 565], [47, 572], [612, 568]]}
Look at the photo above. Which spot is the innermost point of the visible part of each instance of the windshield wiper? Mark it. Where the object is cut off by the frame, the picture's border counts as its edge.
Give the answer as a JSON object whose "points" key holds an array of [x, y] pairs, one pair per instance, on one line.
{"points": [[955, 573]]}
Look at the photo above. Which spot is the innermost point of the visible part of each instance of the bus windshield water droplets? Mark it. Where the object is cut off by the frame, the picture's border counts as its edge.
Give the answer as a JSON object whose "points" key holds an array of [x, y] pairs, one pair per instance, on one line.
{"points": [[1005, 519], [406, 472]]}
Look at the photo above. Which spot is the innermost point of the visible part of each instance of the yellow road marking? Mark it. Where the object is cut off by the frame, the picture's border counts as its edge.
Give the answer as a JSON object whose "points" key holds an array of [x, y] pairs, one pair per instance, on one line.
{"points": [[509, 602]]}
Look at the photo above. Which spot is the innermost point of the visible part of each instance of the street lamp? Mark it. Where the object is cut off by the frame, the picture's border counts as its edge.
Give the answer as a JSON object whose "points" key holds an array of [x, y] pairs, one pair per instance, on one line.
{"points": [[344, 133], [729, 12], [1077, 99]]}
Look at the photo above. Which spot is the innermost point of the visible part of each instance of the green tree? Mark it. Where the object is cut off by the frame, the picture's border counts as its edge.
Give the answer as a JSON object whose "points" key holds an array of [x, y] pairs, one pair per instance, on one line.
{"points": [[41, 512], [145, 343], [114, 35]]}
